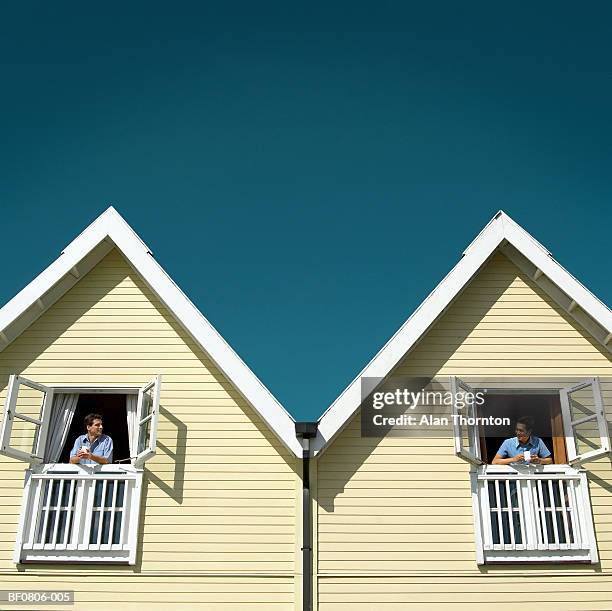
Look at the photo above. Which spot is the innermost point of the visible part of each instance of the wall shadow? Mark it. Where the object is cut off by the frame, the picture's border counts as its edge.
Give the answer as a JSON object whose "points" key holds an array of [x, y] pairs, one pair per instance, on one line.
{"points": [[177, 455]]}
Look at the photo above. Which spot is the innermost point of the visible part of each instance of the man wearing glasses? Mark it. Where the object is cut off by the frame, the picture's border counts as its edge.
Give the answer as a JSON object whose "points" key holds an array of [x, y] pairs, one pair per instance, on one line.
{"points": [[524, 448]]}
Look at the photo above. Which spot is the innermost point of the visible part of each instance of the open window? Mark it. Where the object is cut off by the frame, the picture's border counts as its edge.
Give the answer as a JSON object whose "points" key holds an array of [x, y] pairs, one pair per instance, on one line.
{"points": [[148, 413], [26, 419], [542, 407], [81, 512], [114, 407], [467, 436], [586, 428], [532, 512], [41, 423], [570, 421]]}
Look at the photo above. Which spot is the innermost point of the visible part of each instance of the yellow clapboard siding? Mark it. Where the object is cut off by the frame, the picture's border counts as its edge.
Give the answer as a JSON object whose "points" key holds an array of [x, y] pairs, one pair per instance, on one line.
{"points": [[408, 512], [216, 536], [407, 605], [464, 597], [182, 583], [181, 592], [183, 606], [407, 530], [392, 487], [397, 541], [237, 509], [381, 509]]}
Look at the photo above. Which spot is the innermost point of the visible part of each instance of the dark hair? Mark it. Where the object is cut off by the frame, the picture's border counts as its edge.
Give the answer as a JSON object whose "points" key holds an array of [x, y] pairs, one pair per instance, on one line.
{"points": [[527, 422], [89, 419]]}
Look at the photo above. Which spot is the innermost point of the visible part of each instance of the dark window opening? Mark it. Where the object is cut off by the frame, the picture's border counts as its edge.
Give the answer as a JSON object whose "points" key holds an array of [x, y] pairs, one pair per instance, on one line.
{"points": [[112, 408], [545, 409]]}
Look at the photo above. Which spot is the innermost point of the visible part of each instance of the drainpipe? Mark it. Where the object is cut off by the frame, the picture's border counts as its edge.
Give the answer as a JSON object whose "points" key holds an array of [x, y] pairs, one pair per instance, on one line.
{"points": [[305, 431]]}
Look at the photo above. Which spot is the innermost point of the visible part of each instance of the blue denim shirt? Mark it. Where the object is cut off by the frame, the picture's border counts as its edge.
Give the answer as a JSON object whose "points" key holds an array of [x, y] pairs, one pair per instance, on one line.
{"points": [[512, 447], [102, 446]]}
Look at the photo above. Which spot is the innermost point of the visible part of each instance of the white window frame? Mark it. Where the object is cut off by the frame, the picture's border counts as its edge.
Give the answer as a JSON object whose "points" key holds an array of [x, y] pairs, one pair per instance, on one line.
{"points": [[9, 409], [10, 414], [569, 424], [142, 419], [83, 552], [470, 455]]}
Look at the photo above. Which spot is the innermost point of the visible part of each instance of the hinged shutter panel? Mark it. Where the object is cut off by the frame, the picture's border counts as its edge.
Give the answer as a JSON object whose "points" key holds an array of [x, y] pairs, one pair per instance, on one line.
{"points": [[584, 420], [148, 413], [27, 411], [467, 439]]}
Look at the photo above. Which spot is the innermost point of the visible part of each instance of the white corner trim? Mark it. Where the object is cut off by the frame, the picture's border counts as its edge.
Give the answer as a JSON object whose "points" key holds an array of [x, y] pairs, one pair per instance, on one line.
{"points": [[501, 228], [111, 226]]}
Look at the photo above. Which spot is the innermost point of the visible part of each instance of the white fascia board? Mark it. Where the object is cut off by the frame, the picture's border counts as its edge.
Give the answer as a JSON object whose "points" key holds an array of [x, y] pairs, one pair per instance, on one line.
{"points": [[262, 400], [69, 258], [499, 229], [544, 261], [110, 225], [430, 309]]}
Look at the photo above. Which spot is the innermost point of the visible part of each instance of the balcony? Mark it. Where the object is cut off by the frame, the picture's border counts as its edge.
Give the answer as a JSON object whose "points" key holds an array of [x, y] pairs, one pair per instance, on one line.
{"points": [[75, 513], [533, 514]]}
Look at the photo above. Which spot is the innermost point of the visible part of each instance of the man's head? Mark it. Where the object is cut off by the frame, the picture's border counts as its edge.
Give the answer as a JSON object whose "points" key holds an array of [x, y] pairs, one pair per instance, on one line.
{"points": [[93, 423], [524, 427]]}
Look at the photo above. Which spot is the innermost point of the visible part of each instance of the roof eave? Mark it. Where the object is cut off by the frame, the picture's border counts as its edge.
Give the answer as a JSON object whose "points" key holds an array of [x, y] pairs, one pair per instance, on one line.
{"points": [[500, 230], [111, 230]]}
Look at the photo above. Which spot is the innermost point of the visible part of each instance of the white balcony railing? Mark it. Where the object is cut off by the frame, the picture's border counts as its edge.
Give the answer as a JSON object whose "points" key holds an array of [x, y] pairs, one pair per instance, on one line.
{"points": [[533, 514], [75, 513]]}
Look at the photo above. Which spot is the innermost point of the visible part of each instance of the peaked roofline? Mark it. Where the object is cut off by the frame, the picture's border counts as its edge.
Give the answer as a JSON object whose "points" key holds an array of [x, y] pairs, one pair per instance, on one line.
{"points": [[528, 254], [81, 255]]}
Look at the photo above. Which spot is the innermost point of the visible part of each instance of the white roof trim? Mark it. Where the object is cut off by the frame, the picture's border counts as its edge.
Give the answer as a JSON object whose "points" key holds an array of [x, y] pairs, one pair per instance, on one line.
{"points": [[500, 231], [111, 226]]}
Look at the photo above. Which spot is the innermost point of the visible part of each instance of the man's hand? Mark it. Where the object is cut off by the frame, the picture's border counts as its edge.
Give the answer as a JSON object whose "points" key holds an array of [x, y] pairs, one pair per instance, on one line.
{"points": [[81, 453], [498, 460], [87, 454], [537, 460]]}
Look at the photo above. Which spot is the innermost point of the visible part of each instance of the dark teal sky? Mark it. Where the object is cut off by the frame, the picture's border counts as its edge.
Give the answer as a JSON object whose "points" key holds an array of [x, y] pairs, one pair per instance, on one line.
{"points": [[306, 173]]}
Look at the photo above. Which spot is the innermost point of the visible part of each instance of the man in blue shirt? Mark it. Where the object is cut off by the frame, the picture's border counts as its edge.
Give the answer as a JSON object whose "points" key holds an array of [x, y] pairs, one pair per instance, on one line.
{"points": [[93, 447], [513, 449]]}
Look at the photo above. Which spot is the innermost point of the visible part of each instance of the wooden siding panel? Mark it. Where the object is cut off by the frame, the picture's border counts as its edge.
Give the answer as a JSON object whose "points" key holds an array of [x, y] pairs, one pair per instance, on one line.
{"points": [[219, 494], [394, 593], [402, 506], [157, 592]]}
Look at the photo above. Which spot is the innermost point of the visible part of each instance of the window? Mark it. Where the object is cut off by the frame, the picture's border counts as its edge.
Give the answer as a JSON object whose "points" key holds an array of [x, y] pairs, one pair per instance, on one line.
{"points": [[544, 408], [585, 421], [79, 513], [534, 513]]}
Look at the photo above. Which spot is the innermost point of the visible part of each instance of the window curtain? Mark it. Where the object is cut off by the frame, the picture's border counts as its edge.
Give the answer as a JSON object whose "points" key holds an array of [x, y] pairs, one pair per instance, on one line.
{"points": [[62, 412], [131, 403]]}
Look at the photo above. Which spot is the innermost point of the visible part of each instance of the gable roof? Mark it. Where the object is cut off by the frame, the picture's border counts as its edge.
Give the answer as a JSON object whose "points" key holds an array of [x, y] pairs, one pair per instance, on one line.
{"points": [[110, 231], [530, 257]]}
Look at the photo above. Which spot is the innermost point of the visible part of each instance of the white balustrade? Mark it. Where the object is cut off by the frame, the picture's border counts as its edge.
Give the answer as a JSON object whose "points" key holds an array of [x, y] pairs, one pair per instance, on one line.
{"points": [[538, 516], [80, 514]]}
